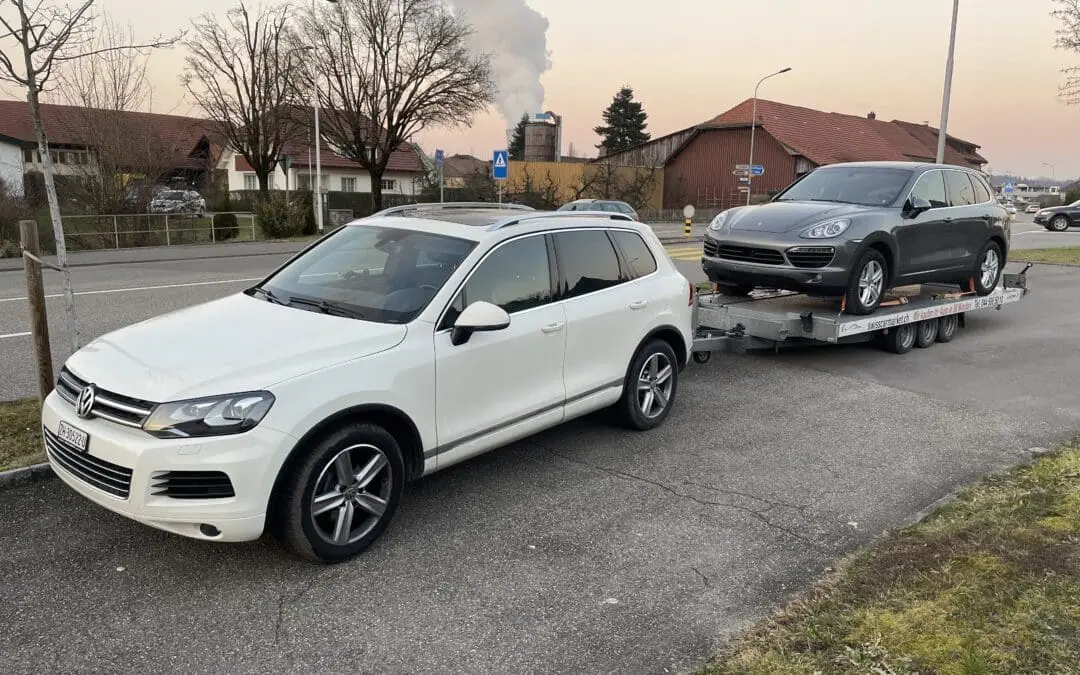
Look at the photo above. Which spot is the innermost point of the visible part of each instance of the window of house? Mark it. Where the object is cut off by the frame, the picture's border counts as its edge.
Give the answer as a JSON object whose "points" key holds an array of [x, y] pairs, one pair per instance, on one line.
{"points": [[588, 261], [303, 181], [270, 182], [28, 156], [251, 181], [348, 184], [389, 184]]}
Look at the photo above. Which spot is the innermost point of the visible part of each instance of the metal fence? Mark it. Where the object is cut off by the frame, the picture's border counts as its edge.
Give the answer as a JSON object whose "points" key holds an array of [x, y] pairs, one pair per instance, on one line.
{"points": [[83, 233]]}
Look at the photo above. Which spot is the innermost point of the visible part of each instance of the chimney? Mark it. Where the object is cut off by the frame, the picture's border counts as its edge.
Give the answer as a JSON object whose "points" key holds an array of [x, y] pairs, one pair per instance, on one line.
{"points": [[872, 115]]}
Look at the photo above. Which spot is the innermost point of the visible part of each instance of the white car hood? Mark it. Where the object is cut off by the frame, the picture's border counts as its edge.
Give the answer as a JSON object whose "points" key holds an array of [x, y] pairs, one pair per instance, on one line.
{"points": [[238, 343]]}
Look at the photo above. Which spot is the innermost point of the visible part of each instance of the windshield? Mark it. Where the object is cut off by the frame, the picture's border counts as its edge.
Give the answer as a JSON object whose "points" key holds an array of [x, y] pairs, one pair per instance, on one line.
{"points": [[172, 196], [381, 274], [868, 186]]}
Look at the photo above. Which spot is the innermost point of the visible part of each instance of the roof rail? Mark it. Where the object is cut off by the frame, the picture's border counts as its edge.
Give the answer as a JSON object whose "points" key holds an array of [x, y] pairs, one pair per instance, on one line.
{"points": [[442, 206], [498, 225]]}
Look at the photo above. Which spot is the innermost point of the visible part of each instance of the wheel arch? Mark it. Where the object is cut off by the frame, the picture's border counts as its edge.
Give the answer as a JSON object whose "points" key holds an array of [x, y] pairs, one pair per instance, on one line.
{"points": [[673, 337], [887, 248]]}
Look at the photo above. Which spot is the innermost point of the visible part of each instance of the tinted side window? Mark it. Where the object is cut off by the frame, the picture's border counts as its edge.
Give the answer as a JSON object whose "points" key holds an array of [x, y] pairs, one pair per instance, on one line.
{"points": [[515, 276], [961, 193], [587, 261], [636, 252], [931, 187], [982, 194]]}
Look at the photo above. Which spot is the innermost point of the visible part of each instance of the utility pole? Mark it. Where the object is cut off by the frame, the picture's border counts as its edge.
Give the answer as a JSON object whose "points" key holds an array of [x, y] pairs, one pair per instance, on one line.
{"points": [[35, 295], [948, 86]]}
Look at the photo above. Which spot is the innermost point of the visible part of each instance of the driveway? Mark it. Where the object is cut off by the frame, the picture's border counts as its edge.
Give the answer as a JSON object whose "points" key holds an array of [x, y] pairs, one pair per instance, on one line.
{"points": [[585, 549]]}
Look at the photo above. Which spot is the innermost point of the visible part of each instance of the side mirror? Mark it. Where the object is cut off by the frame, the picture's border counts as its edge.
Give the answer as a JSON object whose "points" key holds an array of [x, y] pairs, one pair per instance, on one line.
{"points": [[479, 316], [916, 206]]}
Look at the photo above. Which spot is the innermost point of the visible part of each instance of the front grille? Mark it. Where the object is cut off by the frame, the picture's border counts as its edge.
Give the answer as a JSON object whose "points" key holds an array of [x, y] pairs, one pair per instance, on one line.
{"points": [[192, 485], [764, 256], [810, 256], [105, 476], [130, 412], [709, 247]]}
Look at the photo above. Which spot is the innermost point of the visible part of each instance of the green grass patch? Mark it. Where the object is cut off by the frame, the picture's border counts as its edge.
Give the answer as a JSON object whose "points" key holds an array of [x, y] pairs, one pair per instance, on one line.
{"points": [[20, 434], [1068, 255], [989, 583]]}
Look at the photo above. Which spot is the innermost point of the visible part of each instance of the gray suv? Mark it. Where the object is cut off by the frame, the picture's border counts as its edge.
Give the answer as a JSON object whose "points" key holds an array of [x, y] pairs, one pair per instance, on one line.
{"points": [[854, 230]]}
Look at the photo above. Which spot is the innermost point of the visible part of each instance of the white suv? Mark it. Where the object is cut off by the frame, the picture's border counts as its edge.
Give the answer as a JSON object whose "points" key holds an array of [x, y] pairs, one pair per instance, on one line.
{"points": [[393, 347]]}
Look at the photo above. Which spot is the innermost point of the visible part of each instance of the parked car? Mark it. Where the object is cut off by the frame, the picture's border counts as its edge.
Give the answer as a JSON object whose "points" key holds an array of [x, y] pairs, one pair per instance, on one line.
{"points": [[611, 205], [1010, 209], [390, 348], [854, 230], [1059, 218], [1032, 208], [178, 201]]}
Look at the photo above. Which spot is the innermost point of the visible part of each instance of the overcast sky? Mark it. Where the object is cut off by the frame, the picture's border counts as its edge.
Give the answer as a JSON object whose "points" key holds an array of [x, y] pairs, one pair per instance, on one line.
{"points": [[689, 60]]}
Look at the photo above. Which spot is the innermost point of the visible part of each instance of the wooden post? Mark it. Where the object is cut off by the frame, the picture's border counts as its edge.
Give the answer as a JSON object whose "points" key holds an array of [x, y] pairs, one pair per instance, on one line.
{"points": [[35, 294]]}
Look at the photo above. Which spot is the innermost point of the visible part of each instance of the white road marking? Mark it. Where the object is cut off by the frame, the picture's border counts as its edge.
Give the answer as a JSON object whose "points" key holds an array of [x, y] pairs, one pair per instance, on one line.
{"points": [[143, 288], [14, 335]]}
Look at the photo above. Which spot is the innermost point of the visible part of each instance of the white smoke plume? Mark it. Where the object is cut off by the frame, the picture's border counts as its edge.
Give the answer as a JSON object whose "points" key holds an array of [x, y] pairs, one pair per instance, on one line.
{"points": [[515, 36]]}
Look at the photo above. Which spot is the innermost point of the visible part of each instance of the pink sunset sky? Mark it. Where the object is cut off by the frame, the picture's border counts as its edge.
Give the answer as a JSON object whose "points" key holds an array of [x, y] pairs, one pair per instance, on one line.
{"points": [[689, 60]]}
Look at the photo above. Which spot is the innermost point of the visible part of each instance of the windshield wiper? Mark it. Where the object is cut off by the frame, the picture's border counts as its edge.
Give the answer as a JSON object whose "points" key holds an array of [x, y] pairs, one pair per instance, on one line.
{"points": [[269, 295], [327, 307]]}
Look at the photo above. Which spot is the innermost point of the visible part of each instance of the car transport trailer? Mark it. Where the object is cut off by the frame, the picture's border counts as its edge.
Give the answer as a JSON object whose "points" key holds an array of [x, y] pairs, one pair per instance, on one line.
{"points": [[911, 316]]}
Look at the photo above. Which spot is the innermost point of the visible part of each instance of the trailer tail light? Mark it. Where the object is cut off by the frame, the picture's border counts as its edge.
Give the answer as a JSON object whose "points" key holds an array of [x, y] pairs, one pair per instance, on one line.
{"points": [[691, 301]]}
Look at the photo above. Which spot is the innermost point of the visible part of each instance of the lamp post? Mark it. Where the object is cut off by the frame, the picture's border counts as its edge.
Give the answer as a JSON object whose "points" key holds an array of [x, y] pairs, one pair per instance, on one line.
{"points": [[948, 86], [318, 136], [753, 127], [1053, 172]]}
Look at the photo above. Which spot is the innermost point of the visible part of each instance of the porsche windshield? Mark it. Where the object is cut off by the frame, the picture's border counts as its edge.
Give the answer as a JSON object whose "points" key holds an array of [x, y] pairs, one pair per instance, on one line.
{"points": [[868, 186], [381, 274]]}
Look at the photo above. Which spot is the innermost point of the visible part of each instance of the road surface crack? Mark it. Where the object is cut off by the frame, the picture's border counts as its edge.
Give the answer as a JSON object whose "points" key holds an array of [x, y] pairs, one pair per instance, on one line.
{"points": [[735, 493], [286, 599], [704, 579], [704, 502]]}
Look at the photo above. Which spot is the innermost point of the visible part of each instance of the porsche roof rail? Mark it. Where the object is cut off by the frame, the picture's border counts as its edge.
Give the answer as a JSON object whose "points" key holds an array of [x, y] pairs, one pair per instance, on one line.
{"points": [[507, 222], [445, 206]]}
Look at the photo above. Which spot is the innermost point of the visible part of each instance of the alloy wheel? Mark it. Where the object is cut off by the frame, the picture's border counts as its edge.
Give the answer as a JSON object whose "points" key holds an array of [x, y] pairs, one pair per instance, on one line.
{"points": [[655, 383], [351, 494], [871, 283], [990, 266]]}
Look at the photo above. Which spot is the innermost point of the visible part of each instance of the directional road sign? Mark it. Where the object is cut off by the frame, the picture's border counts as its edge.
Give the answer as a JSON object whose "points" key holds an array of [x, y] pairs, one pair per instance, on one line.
{"points": [[500, 165], [744, 179], [439, 156], [758, 170]]}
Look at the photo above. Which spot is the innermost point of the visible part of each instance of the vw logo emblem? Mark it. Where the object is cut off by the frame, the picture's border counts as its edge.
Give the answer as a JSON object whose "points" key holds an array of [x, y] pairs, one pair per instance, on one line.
{"points": [[85, 403]]}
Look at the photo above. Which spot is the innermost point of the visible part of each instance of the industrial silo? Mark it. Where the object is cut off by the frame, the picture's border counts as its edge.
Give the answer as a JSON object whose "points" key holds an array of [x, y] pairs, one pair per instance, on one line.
{"points": [[543, 138]]}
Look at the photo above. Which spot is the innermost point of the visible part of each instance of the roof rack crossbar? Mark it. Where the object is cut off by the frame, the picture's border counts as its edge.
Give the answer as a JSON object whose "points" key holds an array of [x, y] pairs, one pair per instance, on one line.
{"points": [[442, 206], [498, 225]]}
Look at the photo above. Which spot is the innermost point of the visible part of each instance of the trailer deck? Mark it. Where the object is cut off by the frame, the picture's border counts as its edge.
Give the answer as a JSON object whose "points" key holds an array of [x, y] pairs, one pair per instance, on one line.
{"points": [[909, 316]]}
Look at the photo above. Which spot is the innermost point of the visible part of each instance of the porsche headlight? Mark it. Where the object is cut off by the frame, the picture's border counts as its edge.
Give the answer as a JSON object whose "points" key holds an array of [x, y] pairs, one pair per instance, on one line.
{"points": [[719, 221], [827, 230], [210, 416]]}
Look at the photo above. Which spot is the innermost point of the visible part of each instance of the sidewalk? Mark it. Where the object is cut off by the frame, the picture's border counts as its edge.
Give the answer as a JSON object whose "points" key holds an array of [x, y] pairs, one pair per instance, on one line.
{"points": [[669, 233]]}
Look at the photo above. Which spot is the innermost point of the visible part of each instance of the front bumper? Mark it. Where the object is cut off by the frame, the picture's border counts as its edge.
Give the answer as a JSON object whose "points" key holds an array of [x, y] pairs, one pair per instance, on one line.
{"points": [[765, 262], [119, 456]]}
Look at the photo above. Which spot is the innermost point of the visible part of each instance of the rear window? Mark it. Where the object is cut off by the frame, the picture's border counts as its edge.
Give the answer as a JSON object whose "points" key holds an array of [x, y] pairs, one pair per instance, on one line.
{"points": [[961, 192], [636, 251], [587, 261], [982, 195]]}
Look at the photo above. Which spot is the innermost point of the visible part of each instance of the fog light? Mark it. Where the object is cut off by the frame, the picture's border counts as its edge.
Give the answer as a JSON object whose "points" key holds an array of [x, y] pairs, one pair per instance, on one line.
{"points": [[209, 530], [814, 279]]}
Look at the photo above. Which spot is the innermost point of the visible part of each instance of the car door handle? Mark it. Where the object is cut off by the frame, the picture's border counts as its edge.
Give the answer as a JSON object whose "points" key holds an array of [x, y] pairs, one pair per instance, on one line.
{"points": [[553, 327], [640, 304]]}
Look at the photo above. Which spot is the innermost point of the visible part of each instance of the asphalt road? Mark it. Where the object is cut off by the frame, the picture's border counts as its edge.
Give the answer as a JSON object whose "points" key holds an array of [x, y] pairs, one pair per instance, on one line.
{"points": [[584, 549]]}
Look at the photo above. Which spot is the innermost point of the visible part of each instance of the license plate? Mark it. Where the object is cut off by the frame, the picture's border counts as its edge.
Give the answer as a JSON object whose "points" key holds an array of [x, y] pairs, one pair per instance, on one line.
{"points": [[77, 437]]}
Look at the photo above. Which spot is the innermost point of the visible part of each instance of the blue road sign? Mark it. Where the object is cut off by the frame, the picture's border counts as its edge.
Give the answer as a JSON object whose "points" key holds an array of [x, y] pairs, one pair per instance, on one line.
{"points": [[757, 170], [500, 165], [438, 156], [1008, 188]]}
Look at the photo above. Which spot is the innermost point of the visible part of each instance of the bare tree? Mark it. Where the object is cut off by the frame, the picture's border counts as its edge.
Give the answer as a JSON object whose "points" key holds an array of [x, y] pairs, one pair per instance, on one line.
{"points": [[242, 72], [47, 35], [1068, 38], [388, 69]]}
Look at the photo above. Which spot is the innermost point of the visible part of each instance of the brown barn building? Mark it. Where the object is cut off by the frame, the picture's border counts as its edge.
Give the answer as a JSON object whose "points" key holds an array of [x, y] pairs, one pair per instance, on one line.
{"points": [[699, 161]]}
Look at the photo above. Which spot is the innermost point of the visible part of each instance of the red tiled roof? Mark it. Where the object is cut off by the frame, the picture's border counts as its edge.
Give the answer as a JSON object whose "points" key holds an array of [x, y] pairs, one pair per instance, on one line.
{"points": [[827, 137], [70, 126]]}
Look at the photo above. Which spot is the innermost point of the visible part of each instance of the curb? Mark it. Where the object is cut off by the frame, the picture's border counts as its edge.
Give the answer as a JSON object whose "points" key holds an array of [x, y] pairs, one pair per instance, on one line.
{"points": [[24, 475]]}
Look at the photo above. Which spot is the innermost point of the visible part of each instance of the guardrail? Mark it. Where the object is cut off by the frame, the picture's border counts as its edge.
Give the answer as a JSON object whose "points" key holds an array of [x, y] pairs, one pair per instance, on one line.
{"points": [[136, 230]]}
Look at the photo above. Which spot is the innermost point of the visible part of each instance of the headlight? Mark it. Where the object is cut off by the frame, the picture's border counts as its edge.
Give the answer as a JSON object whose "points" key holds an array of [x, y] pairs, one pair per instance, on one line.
{"points": [[718, 222], [827, 230], [211, 416]]}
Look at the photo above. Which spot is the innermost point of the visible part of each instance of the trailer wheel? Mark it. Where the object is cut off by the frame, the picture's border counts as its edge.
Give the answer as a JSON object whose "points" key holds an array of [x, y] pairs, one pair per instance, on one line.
{"points": [[702, 357], [947, 327], [926, 333], [901, 339]]}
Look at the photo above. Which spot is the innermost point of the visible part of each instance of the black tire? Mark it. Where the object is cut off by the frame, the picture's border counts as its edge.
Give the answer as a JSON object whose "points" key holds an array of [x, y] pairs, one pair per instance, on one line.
{"points": [[630, 407], [926, 333], [702, 357], [292, 522], [991, 248], [853, 303], [1058, 224], [947, 327], [901, 339], [734, 290]]}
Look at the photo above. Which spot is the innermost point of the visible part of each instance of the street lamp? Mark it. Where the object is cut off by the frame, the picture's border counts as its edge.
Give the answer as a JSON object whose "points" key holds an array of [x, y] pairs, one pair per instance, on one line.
{"points": [[318, 136], [948, 86], [753, 126], [1053, 172]]}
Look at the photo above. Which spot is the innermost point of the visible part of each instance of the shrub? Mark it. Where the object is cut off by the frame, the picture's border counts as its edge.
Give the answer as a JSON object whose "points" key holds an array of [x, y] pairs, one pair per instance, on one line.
{"points": [[278, 217], [225, 226], [13, 208]]}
